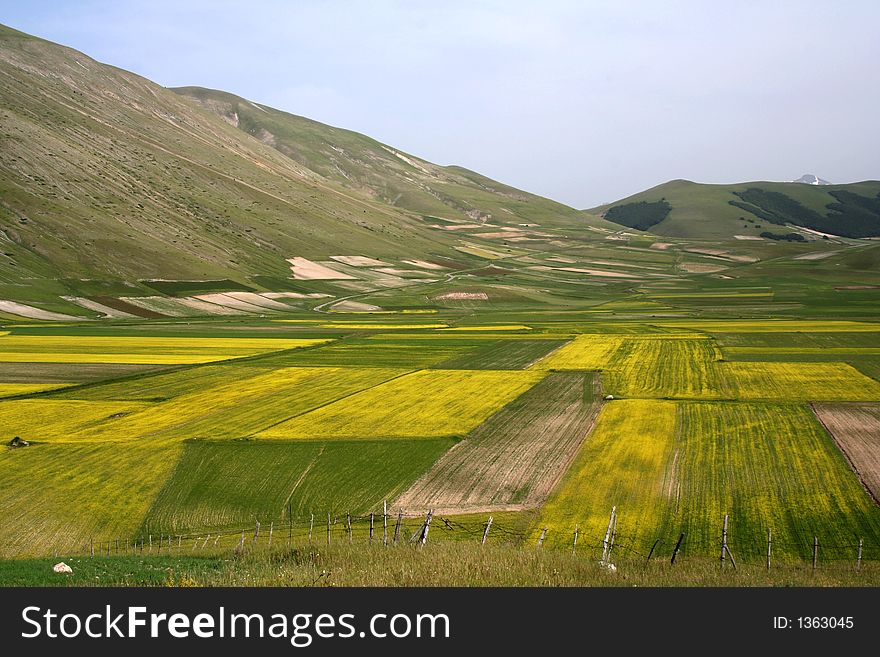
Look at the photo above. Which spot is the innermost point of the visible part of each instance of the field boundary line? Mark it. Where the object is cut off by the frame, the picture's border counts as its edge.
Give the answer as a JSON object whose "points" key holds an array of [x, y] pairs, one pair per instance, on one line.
{"points": [[333, 401], [548, 354], [599, 403], [843, 451]]}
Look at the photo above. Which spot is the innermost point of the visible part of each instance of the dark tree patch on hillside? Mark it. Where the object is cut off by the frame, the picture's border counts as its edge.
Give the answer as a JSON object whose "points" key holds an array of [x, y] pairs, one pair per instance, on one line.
{"points": [[852, 215], [786, 237], [184, 288], [641, 215]]}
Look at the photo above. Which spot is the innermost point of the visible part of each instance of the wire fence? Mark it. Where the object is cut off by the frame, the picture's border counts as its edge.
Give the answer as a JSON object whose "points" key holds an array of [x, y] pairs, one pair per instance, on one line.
{"points": [[397, 529]]}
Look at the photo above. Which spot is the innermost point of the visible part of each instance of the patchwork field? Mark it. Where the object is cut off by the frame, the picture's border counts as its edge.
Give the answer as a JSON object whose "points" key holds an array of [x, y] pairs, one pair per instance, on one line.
{"points": [[503, 355], [233, 409], [800, 382], [218, 485], [681, 368], [585, 352], [424, 403], [679, 467], [198, 431], [516, 456]]}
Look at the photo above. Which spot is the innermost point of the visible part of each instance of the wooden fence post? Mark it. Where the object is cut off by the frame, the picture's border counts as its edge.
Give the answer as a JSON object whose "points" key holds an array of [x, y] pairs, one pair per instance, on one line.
{"points": [[486, 533], [328, 529], [92, 547], [613, 534], [769, 545], [397, 526], [311, 526], [724, 540], [428, 517], [371, 527], [608, 534], [348, 520], [574, 544], [256, 532], [271, 528], [151, 543], [651, 553], [385, 522], [815, 551], [541, 537], [206, 541], [859, 557], [215, 540], [677, 548]]}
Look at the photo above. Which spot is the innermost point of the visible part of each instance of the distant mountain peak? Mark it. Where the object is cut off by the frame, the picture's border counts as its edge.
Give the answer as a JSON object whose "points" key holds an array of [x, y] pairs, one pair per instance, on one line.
{"points": [[811, 179]]}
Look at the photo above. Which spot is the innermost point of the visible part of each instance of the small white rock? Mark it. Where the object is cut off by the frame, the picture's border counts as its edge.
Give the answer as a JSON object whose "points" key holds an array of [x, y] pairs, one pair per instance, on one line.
{"points": [[609, 397], [62, 567]]}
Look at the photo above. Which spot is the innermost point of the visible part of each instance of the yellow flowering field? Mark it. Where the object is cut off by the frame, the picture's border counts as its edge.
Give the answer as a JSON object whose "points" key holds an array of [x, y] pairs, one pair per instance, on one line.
{"points": [[422, 404]]}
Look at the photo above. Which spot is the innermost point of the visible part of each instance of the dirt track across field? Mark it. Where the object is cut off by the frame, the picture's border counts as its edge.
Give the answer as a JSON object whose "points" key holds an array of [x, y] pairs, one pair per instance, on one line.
{"points": [[514, 459]]}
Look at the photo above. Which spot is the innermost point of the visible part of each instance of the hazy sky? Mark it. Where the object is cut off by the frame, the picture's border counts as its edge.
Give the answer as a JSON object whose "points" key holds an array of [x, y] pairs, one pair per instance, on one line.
{"points": [[584, 102]]}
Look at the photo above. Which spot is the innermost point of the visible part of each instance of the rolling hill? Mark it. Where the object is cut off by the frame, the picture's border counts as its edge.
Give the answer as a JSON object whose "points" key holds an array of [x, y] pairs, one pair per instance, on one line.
{"points": [[681, 208], [109, 177], [383, 173]]}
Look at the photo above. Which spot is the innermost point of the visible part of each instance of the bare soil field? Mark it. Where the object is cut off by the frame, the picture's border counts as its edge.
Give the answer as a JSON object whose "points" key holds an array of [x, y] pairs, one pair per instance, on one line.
{"points": [[514, 459], [856, 430]]}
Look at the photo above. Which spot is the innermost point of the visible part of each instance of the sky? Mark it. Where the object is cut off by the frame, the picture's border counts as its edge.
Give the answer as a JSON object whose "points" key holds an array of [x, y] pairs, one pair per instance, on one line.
{"points": [[584, 102]]}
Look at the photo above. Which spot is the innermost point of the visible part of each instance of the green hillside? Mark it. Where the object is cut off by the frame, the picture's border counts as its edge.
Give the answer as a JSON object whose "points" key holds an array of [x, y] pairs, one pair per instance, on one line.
{"points": [[105, 174], [383, 172], [697, 210], [107, 180]]}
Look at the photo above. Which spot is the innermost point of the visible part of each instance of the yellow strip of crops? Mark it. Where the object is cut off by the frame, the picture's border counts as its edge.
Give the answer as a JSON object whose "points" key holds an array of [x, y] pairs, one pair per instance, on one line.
{"points": [[426, 403], [60, 496], [666, 368], [622, 463], [10, 389], [771, 325], [585, 352], [769, 351], [800, 382], [236, 409], [489, 327], [52, 419], [364, 326], [136, 349]]}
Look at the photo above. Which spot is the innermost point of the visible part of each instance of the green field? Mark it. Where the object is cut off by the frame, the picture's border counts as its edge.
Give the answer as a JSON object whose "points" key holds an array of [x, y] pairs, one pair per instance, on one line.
{"points": [[221, 485]]}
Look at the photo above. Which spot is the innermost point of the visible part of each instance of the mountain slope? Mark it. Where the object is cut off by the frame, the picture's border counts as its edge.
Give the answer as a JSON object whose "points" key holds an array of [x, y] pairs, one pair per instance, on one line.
{"points": [[699, 210], [384, 173], [105, 175]]}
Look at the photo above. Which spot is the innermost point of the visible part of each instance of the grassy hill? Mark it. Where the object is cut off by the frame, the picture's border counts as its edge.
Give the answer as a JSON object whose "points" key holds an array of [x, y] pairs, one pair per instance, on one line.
{"points": [[382, 172], [681, 208], [110, 178]]}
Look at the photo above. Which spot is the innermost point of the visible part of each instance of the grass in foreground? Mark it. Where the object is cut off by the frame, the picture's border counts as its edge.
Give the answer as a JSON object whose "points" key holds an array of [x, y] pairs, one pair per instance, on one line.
{"points": [[443, 564]]}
